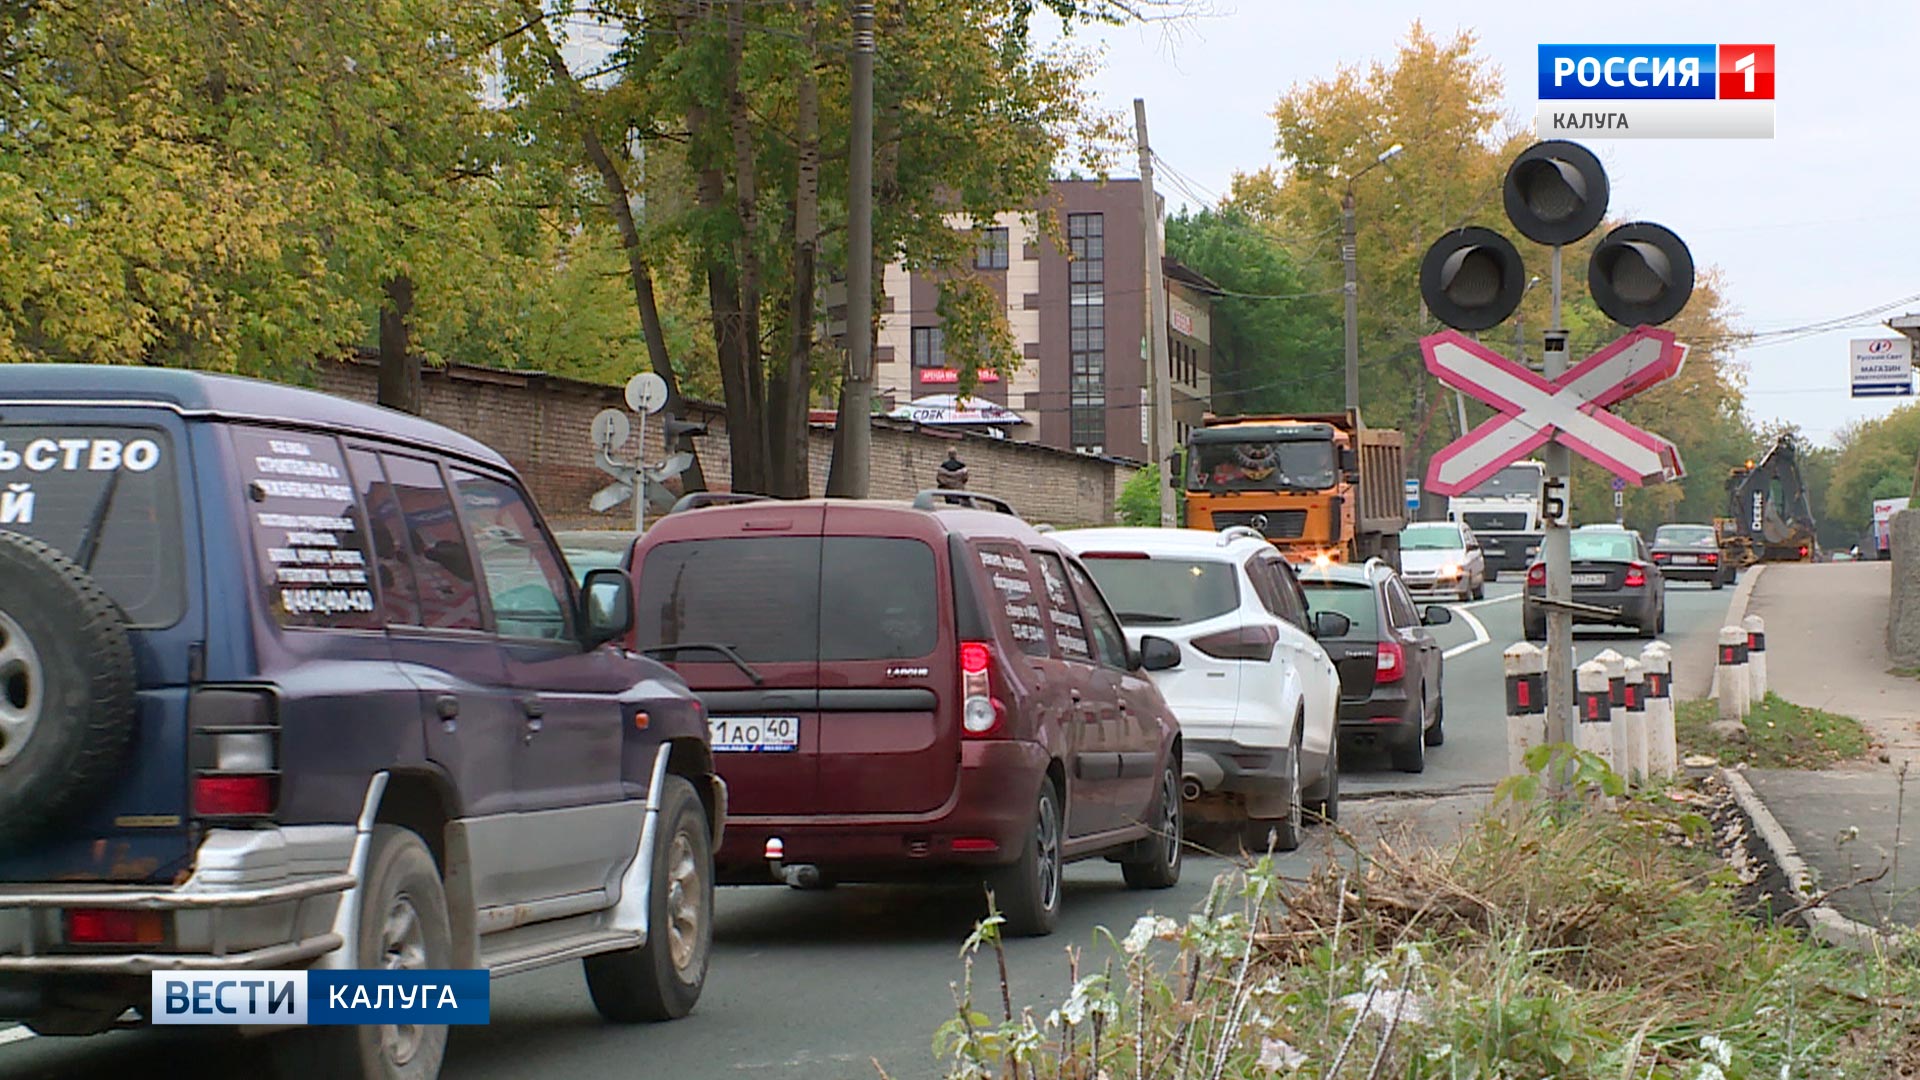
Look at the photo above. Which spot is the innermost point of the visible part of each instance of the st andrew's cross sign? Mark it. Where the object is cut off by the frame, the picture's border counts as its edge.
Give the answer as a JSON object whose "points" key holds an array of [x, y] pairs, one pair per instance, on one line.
{"points": [[1571, 409]]}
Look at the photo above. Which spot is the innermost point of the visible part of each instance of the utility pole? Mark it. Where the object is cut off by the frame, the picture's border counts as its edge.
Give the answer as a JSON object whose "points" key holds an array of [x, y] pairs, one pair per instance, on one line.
{"points": [[1557, 545], [851, 477], [1350, 258], [1160, 445]]}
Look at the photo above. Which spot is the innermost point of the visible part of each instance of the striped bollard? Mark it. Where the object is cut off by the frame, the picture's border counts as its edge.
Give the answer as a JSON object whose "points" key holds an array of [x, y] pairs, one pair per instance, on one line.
{"points": [[1756, 629], [1663, 751], [1593, 706], [1636, 723], [1526, 667], [1731, 673], [1616, 667]]}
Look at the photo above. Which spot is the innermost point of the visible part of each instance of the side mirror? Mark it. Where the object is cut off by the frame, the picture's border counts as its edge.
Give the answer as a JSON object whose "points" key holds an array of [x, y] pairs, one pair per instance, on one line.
{"points": [[606, 606], [1435, 615], [1349, 460], [1330, 624], [1158, 654]]}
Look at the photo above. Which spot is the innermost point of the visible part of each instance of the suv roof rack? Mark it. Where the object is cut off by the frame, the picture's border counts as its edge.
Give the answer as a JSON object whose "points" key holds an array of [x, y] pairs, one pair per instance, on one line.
{"points": [[1232, 532], [931, 498], [700, 499]]}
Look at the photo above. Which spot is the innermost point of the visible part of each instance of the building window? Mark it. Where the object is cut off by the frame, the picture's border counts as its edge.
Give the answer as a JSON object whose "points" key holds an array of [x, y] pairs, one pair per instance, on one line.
{"points": [[1087, 330], [991, 251], [929, 347]]}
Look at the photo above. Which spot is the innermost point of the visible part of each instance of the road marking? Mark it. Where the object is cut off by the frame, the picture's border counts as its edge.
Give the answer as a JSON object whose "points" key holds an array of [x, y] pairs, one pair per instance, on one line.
{"points": [[1487, 602], [1480, 635], [14, 1035]]}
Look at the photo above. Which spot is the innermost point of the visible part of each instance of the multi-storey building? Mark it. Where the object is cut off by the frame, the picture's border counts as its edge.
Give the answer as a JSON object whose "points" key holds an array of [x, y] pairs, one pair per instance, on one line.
{"points": [[1077, 305]]}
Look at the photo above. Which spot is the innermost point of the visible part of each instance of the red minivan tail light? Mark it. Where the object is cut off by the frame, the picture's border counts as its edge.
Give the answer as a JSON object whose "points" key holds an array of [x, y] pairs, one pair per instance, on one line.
{"points": [[1537, 574], [1389, 662], [1636, 576], [979, 713], [1244, 643]]}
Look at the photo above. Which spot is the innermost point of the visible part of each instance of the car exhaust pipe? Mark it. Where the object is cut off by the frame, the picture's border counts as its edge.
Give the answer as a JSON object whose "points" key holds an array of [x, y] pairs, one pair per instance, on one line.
{"points": [[1202, 774], [805, 876]]}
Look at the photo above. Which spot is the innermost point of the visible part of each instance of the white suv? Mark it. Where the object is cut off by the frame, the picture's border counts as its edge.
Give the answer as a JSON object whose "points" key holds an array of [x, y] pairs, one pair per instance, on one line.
{"points": [[1254, 692]]}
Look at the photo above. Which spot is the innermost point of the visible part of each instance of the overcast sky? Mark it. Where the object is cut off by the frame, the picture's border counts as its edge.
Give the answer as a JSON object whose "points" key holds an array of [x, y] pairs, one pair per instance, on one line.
{"points": [[1817, 223]]}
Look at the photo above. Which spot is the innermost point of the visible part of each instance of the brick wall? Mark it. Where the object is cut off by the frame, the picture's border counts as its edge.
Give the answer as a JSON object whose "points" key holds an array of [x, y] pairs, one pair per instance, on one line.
{"points": [[540, 422]]}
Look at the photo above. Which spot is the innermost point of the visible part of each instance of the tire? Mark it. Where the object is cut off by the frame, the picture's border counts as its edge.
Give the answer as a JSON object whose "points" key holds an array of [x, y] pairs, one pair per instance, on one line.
{"points": [[66, 690], [1493, 575], [1436, 733], [1155, 863], [1719, 580], [1285, 833], [403, 924], [1410, 754], [1534, 629], [1660, 620], [1028, 891], [1480, 590], [662, 979]]}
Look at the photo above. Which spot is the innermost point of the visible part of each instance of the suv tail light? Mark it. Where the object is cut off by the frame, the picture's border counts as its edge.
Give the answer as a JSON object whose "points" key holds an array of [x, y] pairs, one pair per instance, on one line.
{"points": [[1389, 662], [979, 712], [1244, 643], [235, 753], [1636, 576], [1803, 551], [115, 926], [1537, 574]]}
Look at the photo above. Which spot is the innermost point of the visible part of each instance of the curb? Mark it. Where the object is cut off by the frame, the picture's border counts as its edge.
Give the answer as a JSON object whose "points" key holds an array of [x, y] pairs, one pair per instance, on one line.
{"points": [[1825, 924]]}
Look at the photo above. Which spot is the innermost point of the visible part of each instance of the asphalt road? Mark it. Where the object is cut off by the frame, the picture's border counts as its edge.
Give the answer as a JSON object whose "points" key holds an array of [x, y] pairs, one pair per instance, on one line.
{"points": [[823, 985]]}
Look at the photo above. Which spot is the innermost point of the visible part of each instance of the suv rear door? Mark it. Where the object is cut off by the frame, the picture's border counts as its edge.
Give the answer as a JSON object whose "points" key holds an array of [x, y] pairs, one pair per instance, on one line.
{"points": [[889, 708], [752, 589]]}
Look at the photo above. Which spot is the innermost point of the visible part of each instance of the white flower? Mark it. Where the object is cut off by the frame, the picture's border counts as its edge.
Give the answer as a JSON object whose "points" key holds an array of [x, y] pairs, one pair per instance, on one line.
{"points": [[1717, 1046], [1277, 1054], [1375, 975], [1145, 930], [1411, 1008], [1709, 1071]]}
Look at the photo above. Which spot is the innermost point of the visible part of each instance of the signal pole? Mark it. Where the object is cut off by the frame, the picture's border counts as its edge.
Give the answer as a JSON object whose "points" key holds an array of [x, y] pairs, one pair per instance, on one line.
{"points": [[1160, 444], [1557, 545]]}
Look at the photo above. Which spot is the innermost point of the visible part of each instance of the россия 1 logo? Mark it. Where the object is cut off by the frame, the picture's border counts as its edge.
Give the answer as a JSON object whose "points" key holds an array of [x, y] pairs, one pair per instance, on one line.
{"points": [[1655, 92]]}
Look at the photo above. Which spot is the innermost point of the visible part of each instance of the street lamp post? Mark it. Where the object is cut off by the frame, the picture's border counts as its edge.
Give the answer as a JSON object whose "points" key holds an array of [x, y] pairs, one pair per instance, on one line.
{"points": [[1350, 256]]}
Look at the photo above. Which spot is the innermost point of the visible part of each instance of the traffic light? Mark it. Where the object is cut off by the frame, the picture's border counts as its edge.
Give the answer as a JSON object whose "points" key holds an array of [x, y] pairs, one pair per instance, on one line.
{"points": [[1471, 278], [1641, 274], [1555, 192]]}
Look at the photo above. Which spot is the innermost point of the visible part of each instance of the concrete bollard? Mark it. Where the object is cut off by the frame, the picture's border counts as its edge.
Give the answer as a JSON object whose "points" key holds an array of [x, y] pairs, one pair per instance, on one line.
{"points": [[1526, 667], [1636, 722], [1663, 751], [1616, 666], [1593, 705], [1732, 673], [1756, 629]]}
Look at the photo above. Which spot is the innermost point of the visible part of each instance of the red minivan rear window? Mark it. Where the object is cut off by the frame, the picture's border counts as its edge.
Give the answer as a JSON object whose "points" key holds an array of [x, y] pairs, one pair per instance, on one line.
{"points": [[790, 599]]}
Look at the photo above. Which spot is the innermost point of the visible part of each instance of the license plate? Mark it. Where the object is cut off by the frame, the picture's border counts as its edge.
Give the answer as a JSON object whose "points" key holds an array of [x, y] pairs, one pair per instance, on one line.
{"points": [[1578, 579], [754, 734], [1685, 560]]}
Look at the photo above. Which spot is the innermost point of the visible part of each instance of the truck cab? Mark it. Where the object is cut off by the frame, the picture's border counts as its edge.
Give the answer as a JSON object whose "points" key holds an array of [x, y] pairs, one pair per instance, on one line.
{"points": [[1316, 486], [1504, 513]]}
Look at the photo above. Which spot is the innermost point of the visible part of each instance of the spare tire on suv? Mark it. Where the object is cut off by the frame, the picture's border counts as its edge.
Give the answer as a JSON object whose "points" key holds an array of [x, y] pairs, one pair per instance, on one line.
{"points": [[66, 688]]}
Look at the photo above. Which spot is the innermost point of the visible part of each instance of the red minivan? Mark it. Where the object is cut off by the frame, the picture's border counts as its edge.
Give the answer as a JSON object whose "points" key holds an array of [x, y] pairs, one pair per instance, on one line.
{"points": [[909, 691]]}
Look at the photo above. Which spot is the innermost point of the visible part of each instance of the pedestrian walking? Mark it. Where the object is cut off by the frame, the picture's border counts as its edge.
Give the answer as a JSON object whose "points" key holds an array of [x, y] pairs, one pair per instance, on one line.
{"points": [[953, 472]]}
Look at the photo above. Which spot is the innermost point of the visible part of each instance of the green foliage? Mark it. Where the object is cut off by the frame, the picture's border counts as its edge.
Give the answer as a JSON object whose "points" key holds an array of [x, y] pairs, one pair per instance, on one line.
{"points": [[1780, 735], [1139, 501], [1277, 345], [1877, 461]]}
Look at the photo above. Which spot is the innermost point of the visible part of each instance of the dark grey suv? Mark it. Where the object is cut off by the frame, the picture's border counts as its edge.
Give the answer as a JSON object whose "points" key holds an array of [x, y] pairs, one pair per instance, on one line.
{"points": [[293, 682]]}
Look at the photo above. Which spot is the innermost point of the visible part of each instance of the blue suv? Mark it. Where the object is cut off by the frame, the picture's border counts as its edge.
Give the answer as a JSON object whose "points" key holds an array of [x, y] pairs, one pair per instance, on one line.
{"points": [[289, 681]]}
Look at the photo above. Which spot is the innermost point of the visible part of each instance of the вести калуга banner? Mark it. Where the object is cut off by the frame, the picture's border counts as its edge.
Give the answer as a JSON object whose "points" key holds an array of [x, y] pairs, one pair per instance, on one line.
{"points": [[303, 998]]}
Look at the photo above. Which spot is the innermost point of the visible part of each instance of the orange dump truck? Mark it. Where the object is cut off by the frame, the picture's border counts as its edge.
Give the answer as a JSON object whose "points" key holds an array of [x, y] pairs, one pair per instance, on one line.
{"points": [[1315, 485]]}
